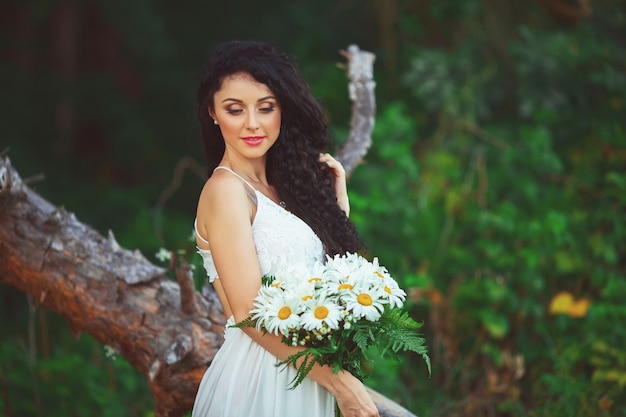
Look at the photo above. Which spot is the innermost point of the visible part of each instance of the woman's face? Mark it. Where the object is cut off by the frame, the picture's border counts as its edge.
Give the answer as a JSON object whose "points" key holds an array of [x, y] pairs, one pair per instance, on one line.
{"points": [[248, 115]]}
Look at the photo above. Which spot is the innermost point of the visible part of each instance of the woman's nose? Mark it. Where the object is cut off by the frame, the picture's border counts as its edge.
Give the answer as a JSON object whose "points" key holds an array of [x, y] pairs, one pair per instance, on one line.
{"points": [[252, 122]]}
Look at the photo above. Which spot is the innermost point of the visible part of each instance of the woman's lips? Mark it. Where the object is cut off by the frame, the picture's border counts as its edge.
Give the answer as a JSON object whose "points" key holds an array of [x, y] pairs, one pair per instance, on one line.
{"points": [[253, 140]]}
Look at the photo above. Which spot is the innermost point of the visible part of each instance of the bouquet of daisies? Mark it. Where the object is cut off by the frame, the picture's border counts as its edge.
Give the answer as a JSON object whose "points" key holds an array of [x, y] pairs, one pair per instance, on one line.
{"points": [[336, 311]]}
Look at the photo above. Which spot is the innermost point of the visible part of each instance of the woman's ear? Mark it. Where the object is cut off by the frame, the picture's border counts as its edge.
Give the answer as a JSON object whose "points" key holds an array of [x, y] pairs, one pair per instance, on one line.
{"points": [[212, 114]]}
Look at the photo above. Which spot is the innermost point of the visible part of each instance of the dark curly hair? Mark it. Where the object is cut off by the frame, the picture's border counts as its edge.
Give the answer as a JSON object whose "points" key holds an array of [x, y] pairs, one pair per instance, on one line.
{"points": [[293, 166]]}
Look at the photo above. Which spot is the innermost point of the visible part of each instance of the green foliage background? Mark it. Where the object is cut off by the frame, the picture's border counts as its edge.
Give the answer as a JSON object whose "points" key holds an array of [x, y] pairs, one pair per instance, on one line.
{"points": [[497, 180]]}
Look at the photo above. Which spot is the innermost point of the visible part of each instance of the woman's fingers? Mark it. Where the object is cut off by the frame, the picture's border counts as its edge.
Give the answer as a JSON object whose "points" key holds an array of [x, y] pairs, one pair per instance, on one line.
{"points": [[353, 399], [341, 190], [332, 164]]}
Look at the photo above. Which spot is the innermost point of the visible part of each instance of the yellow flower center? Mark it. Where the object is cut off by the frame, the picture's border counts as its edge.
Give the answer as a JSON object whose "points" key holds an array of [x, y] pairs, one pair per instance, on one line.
{"points": [[276, 284], [344, 287], [321, 312], [306, 297], [315, 279], [284, 313], [379, 274], [387, 290], [364, 299]]}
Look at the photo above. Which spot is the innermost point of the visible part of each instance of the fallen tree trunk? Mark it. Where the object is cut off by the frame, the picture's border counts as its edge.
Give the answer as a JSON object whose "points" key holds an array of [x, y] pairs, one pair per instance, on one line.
{"points": [[115, 295]]}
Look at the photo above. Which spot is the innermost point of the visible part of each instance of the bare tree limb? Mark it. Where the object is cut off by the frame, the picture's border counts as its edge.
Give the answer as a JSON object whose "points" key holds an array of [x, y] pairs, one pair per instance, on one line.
{"points": [[360, 71]]}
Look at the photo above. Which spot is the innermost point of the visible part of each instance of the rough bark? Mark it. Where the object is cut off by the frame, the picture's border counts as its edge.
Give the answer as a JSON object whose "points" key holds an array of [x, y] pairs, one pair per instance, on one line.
{"points": [[163, 328], [360, 70], [113, 294]]}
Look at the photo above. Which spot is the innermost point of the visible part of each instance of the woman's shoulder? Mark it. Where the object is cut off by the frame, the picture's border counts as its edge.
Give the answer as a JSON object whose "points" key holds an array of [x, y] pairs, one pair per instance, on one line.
{"points": [[222, 203], [223, 188]]}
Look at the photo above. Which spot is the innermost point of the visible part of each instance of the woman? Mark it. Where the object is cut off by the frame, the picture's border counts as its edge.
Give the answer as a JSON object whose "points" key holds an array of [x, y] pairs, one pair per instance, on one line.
{"points": [[271, 200]]}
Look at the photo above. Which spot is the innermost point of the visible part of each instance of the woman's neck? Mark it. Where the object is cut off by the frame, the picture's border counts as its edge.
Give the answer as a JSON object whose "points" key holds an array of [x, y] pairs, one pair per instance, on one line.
{"points": [[258, 180], [254, 174]]}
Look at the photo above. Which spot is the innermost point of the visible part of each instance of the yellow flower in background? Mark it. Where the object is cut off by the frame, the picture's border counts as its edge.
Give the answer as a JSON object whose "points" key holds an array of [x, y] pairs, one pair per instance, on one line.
{"points": [[564, 303], [579, 308], [561, 303]]}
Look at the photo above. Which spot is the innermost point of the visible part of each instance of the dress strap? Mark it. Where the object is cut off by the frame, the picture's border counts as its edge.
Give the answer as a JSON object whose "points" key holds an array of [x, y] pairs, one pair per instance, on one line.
{"points": [[249, 188], [195, 228], [235, 174]]}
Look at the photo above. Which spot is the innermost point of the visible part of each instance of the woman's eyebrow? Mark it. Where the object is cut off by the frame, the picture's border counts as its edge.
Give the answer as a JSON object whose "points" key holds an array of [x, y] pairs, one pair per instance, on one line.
{"points": [[236, 100]]}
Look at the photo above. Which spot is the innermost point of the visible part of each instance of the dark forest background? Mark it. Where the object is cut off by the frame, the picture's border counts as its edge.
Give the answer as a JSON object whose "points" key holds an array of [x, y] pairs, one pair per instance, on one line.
{"points": [[495, 190]]}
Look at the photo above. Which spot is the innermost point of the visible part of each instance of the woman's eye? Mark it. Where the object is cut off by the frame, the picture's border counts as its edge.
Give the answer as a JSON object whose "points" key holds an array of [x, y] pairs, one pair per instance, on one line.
{"points": [[234, 111], [267, 109]]}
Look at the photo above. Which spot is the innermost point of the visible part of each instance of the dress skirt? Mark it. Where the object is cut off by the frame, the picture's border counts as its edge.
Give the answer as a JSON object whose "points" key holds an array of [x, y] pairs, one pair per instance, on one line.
{"points": [[244, 381]]}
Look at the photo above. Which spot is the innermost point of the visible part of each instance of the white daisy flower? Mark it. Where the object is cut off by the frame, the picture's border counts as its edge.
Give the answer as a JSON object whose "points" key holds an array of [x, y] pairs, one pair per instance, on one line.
{"points": [[163, 255], [263, 303], [394, 294], [316, 276], [319, 312], [304, 291], [366, 303], [281, 314], [348, 262], [346, 273], [348, 288], [391, 292], [267, 309], [294, 273]]}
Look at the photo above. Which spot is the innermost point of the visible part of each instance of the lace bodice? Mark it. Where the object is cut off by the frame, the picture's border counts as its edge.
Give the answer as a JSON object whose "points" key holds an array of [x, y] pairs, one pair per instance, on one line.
{"points": [[281, 238]]}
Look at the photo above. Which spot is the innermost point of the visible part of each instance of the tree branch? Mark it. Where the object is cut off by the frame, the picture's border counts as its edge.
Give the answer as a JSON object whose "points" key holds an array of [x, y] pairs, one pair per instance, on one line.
{"points": [[360, 70]]}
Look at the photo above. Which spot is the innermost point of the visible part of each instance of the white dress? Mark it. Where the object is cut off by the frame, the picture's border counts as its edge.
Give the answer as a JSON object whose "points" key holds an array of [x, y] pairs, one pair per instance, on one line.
{"points": [[243, 379]]}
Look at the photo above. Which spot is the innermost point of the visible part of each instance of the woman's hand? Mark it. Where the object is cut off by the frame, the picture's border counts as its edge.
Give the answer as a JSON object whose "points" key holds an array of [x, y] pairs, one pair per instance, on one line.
{"points": [[341, 189], [352, 397]]}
